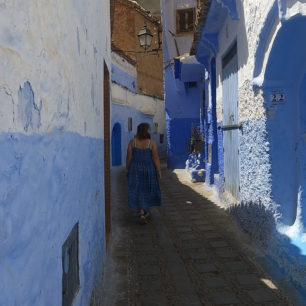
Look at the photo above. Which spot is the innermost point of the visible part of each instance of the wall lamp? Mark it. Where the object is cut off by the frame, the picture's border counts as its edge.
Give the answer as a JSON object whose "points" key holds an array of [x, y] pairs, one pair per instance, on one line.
{"points": [[145, 37], [145, 40]]}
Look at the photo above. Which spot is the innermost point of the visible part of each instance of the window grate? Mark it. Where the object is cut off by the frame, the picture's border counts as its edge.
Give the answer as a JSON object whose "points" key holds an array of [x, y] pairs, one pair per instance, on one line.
{"points": [[185, 20]]}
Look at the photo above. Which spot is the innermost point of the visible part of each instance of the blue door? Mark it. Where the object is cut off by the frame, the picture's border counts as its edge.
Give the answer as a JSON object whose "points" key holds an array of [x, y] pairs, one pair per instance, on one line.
{"points": [[116, 145], [230, 118]]}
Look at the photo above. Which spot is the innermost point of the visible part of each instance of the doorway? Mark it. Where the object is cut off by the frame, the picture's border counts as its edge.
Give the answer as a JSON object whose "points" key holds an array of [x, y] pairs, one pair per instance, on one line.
{"points": [[116, 145], [230, 119]]}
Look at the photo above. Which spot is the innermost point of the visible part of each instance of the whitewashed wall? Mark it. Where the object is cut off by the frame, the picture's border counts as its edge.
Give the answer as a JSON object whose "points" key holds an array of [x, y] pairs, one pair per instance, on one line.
{"points": [[55, 45], [145, 104]]}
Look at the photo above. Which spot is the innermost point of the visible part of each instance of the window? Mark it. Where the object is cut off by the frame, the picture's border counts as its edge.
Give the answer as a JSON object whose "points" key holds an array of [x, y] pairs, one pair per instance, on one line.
{"points": [[161, 138], [184, 20]]}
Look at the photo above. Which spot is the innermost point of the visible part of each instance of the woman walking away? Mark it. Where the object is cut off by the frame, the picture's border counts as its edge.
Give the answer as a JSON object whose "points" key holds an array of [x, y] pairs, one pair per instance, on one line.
{"points": [[143, 166]]}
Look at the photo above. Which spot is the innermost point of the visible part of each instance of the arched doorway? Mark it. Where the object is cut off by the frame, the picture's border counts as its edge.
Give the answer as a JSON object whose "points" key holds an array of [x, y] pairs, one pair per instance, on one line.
{"points": [[284, 92], [116, 145]]}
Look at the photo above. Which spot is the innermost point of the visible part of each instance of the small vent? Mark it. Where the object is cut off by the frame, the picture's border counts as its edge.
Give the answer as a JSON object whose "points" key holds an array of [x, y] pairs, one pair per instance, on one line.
{"points": [[130, 124], [155, 128], [70, 263], [192, 84]]}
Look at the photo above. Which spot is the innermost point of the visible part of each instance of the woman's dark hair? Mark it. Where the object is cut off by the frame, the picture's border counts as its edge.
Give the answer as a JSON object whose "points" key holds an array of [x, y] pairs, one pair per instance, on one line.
{"points": [[143, 131]]}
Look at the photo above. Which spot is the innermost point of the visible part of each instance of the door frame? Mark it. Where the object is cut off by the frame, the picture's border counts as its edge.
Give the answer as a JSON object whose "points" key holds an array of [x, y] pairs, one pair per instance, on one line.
{"points": [[107, 158]]}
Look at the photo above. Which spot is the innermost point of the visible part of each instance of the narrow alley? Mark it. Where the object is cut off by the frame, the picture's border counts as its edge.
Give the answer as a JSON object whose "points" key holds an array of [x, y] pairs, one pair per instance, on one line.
{"points": [[189, 254], [215, 89]]}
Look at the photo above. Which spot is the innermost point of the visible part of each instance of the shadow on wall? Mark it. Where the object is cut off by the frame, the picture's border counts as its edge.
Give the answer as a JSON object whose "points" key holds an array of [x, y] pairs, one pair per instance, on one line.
{"points": [[243, 38], [282, 259], [291, 3], [255, 220], [259, 224]]}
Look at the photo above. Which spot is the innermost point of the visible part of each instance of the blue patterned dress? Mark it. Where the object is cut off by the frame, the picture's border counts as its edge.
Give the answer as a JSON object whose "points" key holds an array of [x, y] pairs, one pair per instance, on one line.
{"points": [[143, 185]]}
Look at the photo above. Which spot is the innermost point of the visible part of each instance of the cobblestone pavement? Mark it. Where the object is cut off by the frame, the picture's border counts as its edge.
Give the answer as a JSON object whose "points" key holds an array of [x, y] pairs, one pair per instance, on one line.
{"points": [[189, 254]]}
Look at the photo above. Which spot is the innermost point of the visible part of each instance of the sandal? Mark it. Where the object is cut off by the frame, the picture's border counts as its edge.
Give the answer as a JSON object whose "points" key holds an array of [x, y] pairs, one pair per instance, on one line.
{"points": [[143, 218]]}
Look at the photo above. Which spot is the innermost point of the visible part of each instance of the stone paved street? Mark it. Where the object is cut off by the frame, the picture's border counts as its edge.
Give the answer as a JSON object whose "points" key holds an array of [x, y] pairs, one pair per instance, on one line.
{"points": [[189, 254]]}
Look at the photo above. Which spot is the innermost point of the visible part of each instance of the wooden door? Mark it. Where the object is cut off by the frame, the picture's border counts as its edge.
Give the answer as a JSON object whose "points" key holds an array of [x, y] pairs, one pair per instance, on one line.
{"points": [[230, 119]]}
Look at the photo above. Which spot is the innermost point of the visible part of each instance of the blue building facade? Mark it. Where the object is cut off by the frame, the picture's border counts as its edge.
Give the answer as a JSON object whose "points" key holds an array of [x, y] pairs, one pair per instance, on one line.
{"points": [[130, 108], [254, 125], [183, 89], [137, 88]]}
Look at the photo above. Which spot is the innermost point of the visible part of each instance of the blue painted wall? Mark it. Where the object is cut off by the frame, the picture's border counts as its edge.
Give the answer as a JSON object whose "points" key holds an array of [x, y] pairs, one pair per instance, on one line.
{"points": [[182, 102], [285, 124], [120, 114], [182, 113], [178, 133], [124, 79], [285, 73], [301, 141], [49, 183]]}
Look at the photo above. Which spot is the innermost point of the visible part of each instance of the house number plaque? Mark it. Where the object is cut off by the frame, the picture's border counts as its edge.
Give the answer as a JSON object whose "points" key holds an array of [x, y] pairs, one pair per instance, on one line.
{"points": [[277, 97]]}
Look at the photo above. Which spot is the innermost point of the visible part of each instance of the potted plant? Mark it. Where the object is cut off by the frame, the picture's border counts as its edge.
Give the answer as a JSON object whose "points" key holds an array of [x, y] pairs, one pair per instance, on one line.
{"points": [[195, 163]]}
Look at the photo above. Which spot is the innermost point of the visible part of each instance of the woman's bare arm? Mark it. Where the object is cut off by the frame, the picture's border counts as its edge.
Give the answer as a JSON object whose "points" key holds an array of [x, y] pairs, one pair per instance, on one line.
{"points": [[155, 158], [129, 154]]}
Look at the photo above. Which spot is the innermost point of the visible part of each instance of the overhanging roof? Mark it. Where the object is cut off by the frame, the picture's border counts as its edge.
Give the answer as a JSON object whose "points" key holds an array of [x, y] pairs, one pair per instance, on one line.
{"points": [[188, 69], [210, 20]]}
